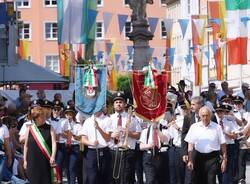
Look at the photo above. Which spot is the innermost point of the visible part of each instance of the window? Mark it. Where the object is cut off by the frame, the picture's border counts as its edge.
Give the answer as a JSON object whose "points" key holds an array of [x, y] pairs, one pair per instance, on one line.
{"points": [[163, 30], [23, 3], [99, 3], [52, 62], [163, 2], [50, 3], [24, 31], [126, 2], [128, 28], [50, 30], [99, 30]]}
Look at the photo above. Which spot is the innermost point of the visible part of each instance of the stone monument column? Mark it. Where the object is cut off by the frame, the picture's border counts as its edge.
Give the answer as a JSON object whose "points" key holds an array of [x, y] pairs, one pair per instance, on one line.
{"points": [[140, 34]]}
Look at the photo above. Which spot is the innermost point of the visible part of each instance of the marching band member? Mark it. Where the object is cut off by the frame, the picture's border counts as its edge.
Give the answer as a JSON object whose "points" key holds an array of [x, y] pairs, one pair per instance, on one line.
{"points": [[206, 139], [229, 129], [241, 118], [124, 133], [153, 159], [176, 164], [55, 119], [97, 158], [71, 131]]}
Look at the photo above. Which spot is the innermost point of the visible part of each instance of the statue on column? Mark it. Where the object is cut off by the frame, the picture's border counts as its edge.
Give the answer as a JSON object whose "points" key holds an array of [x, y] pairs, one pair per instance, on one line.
{"points": [[139, 9]]}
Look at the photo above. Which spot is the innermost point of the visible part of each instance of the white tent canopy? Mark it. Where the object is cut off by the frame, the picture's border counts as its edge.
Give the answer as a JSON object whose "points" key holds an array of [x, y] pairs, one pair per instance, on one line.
{"points": [[28, 72]]}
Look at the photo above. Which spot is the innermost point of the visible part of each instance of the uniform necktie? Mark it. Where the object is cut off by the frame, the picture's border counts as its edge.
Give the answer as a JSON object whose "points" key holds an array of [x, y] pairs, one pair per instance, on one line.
{"points": [[155, 137], [119, 122], [221, 124]]}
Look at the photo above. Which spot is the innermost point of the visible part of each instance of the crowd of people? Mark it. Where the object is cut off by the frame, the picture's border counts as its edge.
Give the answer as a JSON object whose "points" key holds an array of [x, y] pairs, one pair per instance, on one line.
{"points": [[199, 140]]}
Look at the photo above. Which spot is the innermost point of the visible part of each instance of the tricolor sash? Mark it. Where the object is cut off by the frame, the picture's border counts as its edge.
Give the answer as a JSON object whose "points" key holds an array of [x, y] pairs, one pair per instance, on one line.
{"points": [[55, 176]]}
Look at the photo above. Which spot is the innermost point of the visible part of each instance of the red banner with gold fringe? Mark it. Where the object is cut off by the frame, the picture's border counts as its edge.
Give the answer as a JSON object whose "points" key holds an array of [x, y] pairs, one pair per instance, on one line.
{"points": [[150, 103]]}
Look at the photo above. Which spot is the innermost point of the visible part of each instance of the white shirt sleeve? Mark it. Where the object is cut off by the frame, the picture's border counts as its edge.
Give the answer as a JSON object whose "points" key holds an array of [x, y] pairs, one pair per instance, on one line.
{"points": [[190, 137], [83, 130], [143, 137], [222, 139], [6, 132], [65, 126]]}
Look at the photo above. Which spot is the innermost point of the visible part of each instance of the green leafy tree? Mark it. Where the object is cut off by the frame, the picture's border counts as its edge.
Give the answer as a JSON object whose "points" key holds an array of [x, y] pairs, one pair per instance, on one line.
{"points": [[124, 83]]}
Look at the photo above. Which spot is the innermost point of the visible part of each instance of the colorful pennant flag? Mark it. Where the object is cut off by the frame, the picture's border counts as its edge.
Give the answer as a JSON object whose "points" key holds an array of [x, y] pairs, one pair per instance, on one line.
{"points": [[64, 59], [217, 12], [130, 50], [237, 36], [198, 23], [171, 52], [188, 59], [90, 101], [106, 20], [169, 25], [122, 21], [183, 24], [23, 49], [153, 23]]}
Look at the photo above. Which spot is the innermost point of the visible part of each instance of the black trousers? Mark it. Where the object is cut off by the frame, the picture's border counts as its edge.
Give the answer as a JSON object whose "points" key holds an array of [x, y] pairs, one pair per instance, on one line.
{"points": [[176, 166], [242, 163], [206, 167], [139, 164], [94, 174], [125, 166], [156, 168]]}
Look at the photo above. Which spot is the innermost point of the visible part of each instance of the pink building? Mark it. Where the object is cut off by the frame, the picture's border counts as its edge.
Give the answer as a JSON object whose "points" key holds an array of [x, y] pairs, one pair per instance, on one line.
{"points": [[40, 29]]}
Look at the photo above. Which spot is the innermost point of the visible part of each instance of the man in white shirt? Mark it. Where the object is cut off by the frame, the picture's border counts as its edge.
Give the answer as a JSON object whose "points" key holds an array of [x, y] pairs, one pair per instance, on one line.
{"points": [[125, 130], [151, 141], [97, 158], [206, 139], [229, 129]]}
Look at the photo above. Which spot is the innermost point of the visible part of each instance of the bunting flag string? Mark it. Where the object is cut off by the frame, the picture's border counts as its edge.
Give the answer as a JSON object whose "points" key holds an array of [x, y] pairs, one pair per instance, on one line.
{"points": [[130, 50], [183, 24], [106, 20], [153, 23], [169, 25], [122, 21]]}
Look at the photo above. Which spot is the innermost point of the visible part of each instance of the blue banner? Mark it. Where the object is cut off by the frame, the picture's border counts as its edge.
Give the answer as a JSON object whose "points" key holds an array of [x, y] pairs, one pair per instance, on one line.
{"points": [[3, 13], [88, 102]]}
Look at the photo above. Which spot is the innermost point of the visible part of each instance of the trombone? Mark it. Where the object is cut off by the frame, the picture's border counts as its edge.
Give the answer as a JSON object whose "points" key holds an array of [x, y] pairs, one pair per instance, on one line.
{"points": [[118, 161]]}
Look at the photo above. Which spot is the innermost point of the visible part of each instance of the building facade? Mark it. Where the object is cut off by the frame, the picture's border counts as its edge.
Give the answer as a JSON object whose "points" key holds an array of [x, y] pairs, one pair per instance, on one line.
{"points": [[185, 9], [39, 28]]}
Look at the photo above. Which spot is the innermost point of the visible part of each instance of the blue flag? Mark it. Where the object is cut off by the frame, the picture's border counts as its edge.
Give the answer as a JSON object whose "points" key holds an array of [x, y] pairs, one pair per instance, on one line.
{"points": [[84, 102], [3, 13]]}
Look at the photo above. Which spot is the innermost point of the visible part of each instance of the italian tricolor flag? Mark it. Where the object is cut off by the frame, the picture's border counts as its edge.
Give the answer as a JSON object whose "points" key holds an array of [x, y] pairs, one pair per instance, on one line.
{"points": [[237, 31]]}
